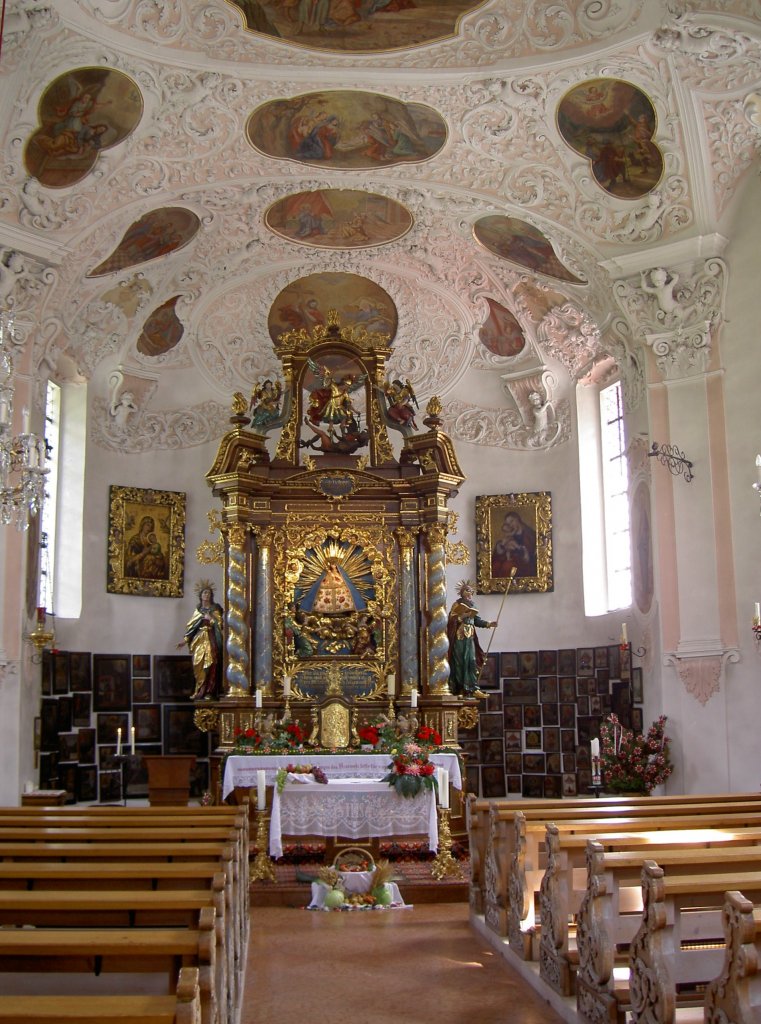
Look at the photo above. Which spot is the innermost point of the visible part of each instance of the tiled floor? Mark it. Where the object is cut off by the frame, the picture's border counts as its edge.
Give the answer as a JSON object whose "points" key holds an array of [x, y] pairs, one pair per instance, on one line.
{"points": [[418, 966]]}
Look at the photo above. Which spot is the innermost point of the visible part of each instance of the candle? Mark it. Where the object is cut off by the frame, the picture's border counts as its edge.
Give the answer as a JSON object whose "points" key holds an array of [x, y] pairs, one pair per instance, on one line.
{"points": [[261, 790], [757, 614], [25, 420], [258, 698], [596, 775], [118, 741], [595, 745], [132, 740], [391, 684], [444, 788], [624, 634], [758, 470], [286, 686], [413, 698], [41, 615]]}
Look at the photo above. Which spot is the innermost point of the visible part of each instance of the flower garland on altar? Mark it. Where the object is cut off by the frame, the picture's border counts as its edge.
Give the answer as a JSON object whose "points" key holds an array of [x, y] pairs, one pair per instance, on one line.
{"points": [[633, 762]]}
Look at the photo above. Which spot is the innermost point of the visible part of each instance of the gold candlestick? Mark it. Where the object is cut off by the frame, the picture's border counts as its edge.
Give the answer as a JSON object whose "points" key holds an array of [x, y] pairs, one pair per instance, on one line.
{"points": [[262, 869], [444, 863]]}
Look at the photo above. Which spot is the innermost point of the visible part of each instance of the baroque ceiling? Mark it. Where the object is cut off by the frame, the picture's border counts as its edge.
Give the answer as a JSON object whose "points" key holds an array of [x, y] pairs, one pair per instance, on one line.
{"points": [[523, 196]]}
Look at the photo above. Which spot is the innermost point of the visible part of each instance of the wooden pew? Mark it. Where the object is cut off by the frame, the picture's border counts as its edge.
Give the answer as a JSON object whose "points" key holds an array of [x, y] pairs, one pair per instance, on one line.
{"points": [[184, 1007], [673, 935], [99, 951], [562, 890], [734, 996], [477, 810], [514, 866]]}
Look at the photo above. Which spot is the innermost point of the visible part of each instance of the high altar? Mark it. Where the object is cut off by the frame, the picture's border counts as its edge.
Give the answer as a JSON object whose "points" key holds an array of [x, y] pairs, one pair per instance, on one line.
{"points": [[335, 547]]}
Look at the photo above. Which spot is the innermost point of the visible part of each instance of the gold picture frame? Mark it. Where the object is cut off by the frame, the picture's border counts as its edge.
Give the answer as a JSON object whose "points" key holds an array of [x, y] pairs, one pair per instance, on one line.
{"points": [[146, 542], [514, 531]]}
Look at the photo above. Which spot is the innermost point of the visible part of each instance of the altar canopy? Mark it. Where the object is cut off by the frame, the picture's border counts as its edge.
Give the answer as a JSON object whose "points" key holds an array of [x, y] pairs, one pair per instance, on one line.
{"points": [[354, 808]]}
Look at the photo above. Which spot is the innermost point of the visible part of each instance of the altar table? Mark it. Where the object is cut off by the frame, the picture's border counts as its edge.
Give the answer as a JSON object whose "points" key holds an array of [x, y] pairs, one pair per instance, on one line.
{"points": [[355, 808], [241, 769]]}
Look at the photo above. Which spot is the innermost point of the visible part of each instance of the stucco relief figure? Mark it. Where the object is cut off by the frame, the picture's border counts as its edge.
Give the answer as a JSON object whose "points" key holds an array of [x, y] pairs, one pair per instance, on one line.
{"points": [[204, 639], [661, 285], [121, 408], [466, 657], [12, 267], [543, 423]]}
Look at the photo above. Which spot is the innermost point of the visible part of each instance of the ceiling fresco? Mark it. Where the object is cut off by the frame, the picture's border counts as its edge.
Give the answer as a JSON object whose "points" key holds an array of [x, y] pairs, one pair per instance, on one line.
{"points": [[349, 129], [488, 183], [359, 303], [612, 124], [523, 244], [338, 218], [81, 113], [155, 234], [363, 26]]}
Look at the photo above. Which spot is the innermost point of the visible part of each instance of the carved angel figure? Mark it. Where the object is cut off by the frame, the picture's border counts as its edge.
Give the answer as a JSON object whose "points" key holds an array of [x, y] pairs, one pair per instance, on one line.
{"points": [[265, 403], [402, 402], [12, 266], [661, 285]]}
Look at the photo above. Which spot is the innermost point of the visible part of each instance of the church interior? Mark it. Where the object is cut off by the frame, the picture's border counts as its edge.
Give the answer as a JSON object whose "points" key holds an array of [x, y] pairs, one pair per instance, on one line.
{"points": [[364, 370]]}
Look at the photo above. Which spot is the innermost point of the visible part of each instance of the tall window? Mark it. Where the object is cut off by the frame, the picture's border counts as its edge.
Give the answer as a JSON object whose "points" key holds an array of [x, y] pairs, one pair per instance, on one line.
{"points": [[48, 525], [603, 479], [615, 484]]}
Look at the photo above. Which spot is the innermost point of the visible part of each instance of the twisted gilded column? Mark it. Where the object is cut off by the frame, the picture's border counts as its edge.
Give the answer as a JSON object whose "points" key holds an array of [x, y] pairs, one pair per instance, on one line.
{"points": [[263, 612], [408, 652], [236, 674], [438, 642]]}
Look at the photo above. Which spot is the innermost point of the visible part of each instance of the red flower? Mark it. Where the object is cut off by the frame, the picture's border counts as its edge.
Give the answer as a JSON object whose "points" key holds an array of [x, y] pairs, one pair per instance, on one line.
{"points": [[427, 734], [369, 734], [295, 733]]}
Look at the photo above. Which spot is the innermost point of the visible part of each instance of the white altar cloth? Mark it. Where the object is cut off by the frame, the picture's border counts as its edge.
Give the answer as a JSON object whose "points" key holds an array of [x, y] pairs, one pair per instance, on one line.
{"points": [[241, 769], [356, 808]]}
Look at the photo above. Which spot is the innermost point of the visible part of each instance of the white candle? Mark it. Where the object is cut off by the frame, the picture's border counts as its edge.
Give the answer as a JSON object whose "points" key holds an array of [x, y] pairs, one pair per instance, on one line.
{"points": [[25, 420], [286, 686], [757, 613], [118, 741], [758, 469], [413, 698], [596, 774], [391, 684], [258, 698], [444, 789], [595, 745], [624, 634], [261, 790], [132, 740]]}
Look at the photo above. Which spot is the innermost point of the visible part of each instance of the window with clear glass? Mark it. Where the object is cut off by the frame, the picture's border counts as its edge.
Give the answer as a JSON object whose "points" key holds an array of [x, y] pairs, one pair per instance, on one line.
{"points": [[615, 486]]}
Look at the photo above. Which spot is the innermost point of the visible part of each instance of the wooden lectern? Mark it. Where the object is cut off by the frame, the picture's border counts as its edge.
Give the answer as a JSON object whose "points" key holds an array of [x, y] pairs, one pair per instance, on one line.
{"points": [[169, 779]]}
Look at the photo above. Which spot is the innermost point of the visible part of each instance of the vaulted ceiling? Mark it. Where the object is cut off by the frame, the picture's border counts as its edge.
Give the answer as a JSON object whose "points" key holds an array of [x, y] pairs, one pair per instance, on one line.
{"points": [[492, 184]]}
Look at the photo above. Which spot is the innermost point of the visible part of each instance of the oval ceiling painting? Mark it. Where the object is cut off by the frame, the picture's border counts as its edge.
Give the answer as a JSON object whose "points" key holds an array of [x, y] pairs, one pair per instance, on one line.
{"points": [[612, 124], [338, 218], [156, 234], [351, 26], [346, 129], [81, 113], [358, 302], [161, 331], [521, 243], [501, 333]]}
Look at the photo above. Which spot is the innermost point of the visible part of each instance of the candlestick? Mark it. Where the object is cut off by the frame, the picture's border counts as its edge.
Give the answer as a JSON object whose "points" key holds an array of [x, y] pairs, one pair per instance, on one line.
{"points": [[624, 634], [413, 698], [391, 684], [258, 698], [118, 741], [261, 790], [132, 740]]}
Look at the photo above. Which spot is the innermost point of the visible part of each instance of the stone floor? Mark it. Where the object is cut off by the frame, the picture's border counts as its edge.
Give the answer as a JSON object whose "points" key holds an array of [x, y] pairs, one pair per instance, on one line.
{"points": [[424, 965]]}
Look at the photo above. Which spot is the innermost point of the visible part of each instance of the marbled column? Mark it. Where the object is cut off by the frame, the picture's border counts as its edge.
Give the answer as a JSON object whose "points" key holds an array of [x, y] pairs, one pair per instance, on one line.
{"points": [[263, 613], [438, 642], [408, 648], [237, 672]]}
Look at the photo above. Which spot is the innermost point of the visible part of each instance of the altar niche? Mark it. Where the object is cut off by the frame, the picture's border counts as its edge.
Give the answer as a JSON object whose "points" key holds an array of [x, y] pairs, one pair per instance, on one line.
{"points": [[334, 545]]}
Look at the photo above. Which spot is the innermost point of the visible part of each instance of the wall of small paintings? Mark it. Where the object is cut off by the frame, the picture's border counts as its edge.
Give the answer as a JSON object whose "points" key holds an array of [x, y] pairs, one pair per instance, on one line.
{"points": [[87, 698], [541, 710]]}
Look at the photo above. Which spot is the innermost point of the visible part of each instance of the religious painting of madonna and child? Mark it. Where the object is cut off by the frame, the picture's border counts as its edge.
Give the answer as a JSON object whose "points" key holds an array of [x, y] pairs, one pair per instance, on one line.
{"points": [[338, 218], [81, 113], [612, 124], [146, 542], [347, 129], [359, 302], [521, 243], [335, 609], [514, 543], [155, 234], [354, 26]]}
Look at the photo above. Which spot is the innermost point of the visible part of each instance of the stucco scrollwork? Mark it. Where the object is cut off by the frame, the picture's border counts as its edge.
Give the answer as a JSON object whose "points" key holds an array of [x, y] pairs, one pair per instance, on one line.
{"points": [[571, 336]]}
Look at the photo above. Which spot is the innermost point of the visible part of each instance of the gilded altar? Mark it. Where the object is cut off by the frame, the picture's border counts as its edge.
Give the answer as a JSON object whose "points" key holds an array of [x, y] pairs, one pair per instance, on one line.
{"points": [[334, 522]]}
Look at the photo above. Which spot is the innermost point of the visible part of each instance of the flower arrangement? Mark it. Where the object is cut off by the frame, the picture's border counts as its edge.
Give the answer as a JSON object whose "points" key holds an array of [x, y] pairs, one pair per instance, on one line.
{"points": [[369, 734], [246, 740], [410, 770], [387, 734], [277, 736], [299, 769], [633, 762], [428, 735]]}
